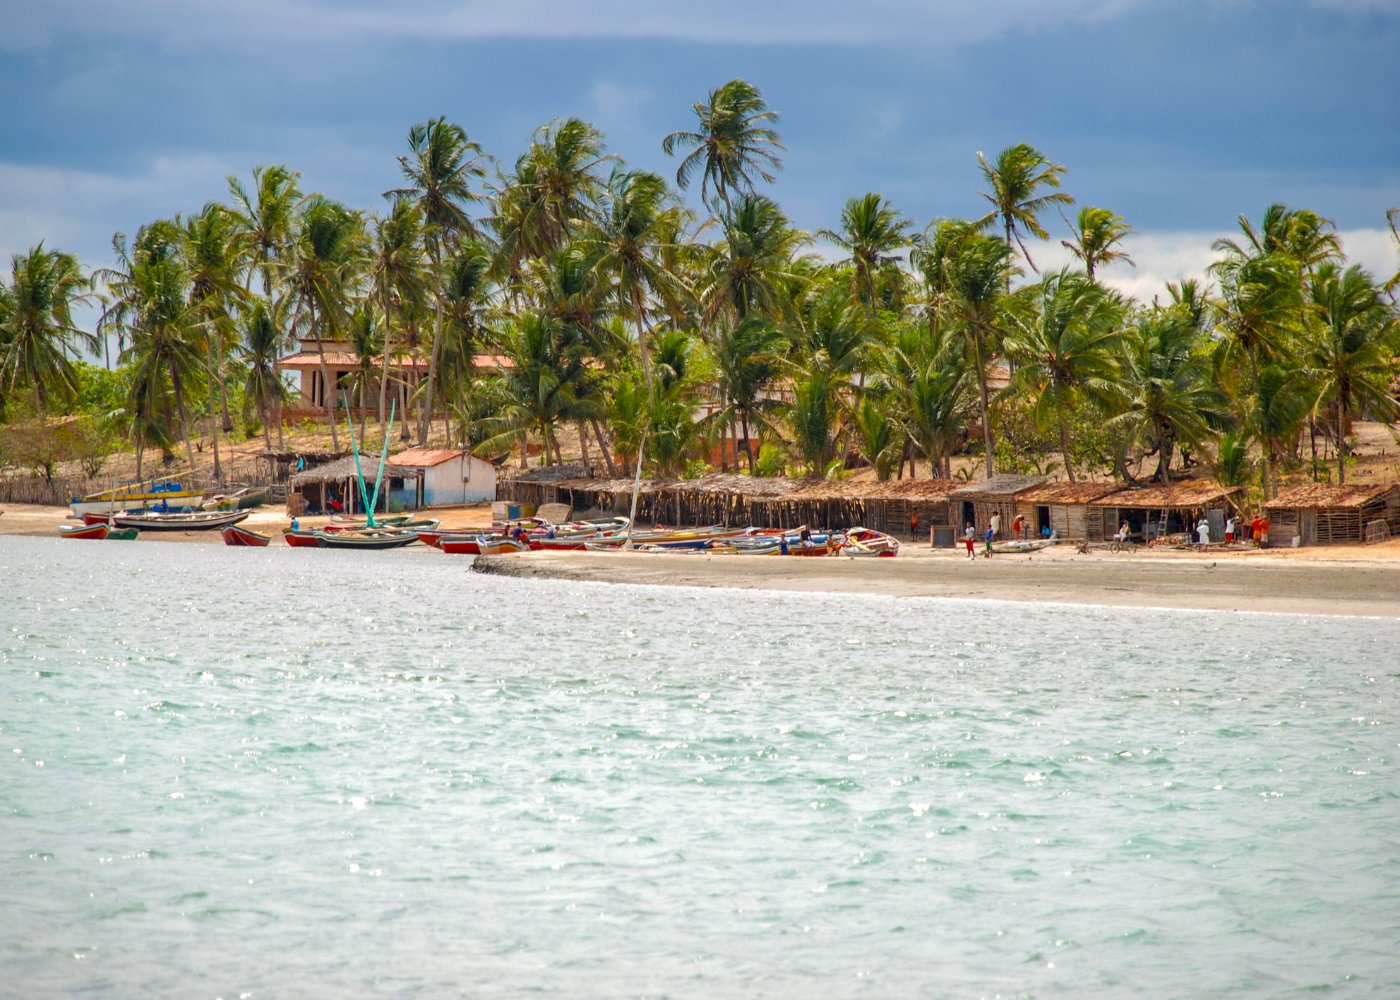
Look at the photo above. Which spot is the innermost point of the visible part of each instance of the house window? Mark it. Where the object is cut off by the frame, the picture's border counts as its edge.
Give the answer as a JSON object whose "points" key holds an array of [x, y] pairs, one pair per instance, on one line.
{"points": [[396, 482]]}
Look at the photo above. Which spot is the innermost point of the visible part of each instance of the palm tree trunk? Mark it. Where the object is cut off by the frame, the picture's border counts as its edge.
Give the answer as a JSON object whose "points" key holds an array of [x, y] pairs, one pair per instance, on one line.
{"points": [[213, 417], [184, 424], [1064, 448], [437, 343], [388, 349], [329, 397], [603, 447], [986, 407], [748, 445], [642, 335], [1341, 442]]}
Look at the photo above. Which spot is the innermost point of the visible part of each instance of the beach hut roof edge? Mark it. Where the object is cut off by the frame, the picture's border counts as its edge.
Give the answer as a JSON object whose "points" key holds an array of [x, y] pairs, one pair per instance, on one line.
{"points": [[1003, 484], [1169, 496], [1328, 495], [344, 468], [1067, 494]]}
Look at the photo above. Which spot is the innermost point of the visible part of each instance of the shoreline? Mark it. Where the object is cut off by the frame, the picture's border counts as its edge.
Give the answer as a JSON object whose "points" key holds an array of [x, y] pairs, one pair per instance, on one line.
{"points": [[1369, 589], [1355, 580]]}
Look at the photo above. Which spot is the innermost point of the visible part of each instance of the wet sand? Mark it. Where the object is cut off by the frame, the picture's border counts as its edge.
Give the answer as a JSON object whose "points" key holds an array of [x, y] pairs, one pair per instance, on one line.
{"points": [[1336, 580]]}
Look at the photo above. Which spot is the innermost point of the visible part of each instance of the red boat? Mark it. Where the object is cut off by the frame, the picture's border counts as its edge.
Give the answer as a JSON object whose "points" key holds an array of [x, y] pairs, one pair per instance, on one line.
{"points": [[461, 545], [300, 538], [236, 534], [436, 536], [96, 531]]}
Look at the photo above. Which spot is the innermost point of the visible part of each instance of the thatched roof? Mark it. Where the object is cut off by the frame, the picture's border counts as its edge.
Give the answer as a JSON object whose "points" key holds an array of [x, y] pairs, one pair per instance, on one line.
{"points": [[344, 468], [927, 490], [548, 474], [999, 486], [1325, 495], [1175, 496], [613, 485], [1067, 494]]}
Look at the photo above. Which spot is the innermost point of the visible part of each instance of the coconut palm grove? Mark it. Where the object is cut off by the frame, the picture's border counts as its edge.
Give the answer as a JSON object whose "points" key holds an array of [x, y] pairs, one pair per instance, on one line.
{"points": [[553, 305]]}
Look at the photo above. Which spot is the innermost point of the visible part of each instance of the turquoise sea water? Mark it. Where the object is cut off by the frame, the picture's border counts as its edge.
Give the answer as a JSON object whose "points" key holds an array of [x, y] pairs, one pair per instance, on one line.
{"points": [[271, 773]]}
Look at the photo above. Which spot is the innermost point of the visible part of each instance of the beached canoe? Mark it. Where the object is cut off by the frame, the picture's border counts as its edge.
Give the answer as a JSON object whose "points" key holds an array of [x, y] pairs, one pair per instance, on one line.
{"points": [[138, 496], [244, 499], [500, 546], [371, 539], [96, 531], [869, 542], [203, 520], [237, 535], [300, 538], [123, 534], [1028, 545], [338, 523]]}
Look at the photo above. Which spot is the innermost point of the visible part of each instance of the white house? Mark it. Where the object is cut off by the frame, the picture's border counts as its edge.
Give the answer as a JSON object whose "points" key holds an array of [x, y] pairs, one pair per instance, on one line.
{"points": [[449, 477]]}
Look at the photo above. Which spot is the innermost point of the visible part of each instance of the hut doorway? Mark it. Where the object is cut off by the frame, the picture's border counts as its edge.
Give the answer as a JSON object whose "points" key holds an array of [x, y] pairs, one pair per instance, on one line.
{"points": [[969, 513], [1042, 519]]}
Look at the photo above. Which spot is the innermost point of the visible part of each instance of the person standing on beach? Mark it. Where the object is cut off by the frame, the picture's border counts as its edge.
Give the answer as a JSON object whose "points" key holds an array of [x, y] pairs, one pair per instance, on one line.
{"points": [[996, 524], [1203, 532], [991, 533], [969, 536], [1263, 531], [1230, 528]]}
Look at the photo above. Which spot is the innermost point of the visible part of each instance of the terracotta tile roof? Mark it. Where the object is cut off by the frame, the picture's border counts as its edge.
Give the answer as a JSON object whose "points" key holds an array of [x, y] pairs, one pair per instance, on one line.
{"points": [[1327, 495], [1067, 494], [424, 457], [1195, 493]]}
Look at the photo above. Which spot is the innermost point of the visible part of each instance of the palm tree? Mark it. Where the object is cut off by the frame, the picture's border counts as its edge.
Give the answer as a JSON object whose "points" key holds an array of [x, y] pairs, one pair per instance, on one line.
{"points": [[263, 388], [1304, 236], [151, 309], [878, 434], [1280, 408], [1066, 350], [538, 391], [1261, 299], [924, 384], [751, 268], [976, 271], [626, 244], [552, 191], [267, 220], [366, 339], [873, 234], [734, 141], [213, 251], [1016, 178], [466, 284], [399, 279], [1098, 236], [1167, 391], [748, 361], [438, 172], [1349, 351], [323, 264], [812, 418], [36, 325]]}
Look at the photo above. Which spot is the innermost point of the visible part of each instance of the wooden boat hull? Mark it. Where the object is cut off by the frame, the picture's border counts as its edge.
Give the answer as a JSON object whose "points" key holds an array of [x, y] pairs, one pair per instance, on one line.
{"points": [[237, 535], [244, 499], [123, 534], [301, 538], [200, 521], [176, 501], [1020, 547], [370, 541], [96, 532], [456, 546], [500, 546]]}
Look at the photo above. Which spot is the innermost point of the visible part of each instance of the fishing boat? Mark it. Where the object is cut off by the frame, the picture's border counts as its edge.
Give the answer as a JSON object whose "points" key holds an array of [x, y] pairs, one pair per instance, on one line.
{"points": [[96, 531], [370, 538], [341, 523], [123, 534], [300, 538], [163, 493], [236, 534], [499, 546], [1014, 546], [869, 542], [460, 544], [204, 520], [244, 499]]}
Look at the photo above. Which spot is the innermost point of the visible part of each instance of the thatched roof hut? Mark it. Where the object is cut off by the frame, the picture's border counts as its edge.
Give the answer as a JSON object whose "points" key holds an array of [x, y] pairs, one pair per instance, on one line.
{"points": [[1064, 509], [338, 482], [976, 502], [1323, 514], [538, 485], [1160, 509]]}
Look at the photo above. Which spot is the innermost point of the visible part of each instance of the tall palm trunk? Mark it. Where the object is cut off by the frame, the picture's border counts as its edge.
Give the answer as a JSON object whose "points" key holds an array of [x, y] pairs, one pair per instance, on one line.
{"points": [[426, 420], [603, 447], [276, 362], [213, 417], [388, 349], [1064, 447], [328, 397], [983, 399], [184, 423], [1343, 408]]}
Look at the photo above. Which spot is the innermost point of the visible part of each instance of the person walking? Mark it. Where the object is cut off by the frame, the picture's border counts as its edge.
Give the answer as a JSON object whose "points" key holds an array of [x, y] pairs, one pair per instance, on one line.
{"points": [[970, 537]]}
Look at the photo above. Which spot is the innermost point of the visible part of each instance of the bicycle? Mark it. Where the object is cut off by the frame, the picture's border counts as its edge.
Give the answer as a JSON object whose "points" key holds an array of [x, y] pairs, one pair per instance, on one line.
{"points": [[1122, 545]]}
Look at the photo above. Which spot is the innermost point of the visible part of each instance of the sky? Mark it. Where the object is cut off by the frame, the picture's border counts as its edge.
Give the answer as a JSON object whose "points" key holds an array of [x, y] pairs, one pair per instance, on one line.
{"points": [[1179, 115]]}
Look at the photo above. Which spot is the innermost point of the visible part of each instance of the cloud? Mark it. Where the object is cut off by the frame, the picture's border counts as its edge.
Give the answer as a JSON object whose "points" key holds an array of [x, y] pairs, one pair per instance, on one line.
{"points": [[38, 26]]}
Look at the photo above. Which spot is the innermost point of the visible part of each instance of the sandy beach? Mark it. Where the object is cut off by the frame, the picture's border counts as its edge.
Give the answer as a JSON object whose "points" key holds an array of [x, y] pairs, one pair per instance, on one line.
{"points": [[1336, 580]]}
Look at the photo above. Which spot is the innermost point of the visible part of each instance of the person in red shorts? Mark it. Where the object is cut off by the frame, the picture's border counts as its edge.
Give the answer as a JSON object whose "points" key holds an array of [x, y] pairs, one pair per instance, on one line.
{"points": [[970, 536]]}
